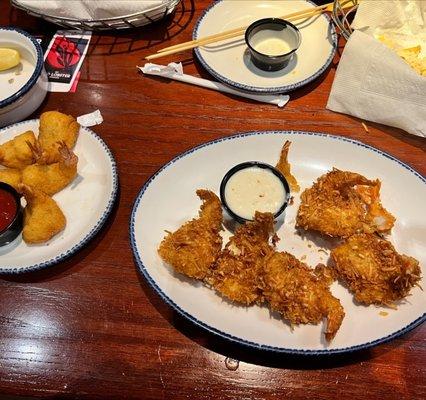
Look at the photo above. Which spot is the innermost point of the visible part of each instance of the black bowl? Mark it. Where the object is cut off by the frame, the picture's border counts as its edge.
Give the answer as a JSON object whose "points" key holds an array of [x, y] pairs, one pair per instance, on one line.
{"points": [[269, 62], [12, 231], [249, 164]]}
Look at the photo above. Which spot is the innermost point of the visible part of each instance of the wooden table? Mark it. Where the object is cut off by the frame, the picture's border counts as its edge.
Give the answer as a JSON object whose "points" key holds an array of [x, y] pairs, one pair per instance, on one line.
{"points": [[92, 328]]}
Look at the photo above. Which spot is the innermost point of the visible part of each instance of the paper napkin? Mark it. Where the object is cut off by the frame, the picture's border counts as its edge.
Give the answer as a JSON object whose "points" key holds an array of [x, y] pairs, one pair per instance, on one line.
{"points": [[372, 82]]}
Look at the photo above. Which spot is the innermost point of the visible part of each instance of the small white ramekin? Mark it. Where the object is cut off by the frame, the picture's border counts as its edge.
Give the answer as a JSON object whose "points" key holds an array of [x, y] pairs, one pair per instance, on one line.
{"points": [[28, 98]]}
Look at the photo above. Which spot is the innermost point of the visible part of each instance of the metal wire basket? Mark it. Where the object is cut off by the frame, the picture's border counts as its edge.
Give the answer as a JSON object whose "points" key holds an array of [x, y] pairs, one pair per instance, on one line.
{"points": [[122, 22], [342, 14]]}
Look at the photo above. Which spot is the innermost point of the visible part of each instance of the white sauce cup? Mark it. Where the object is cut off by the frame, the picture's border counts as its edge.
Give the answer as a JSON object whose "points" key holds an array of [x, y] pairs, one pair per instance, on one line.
{"points": [[235, 211]]}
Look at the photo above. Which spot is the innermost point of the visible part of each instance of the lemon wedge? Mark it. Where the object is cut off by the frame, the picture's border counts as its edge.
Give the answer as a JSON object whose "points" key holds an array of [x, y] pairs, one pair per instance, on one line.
{"points": [[9, 58]]}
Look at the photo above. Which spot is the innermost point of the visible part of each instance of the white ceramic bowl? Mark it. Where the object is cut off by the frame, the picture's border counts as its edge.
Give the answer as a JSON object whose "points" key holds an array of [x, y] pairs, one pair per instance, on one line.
{"points": [[23, 88]]}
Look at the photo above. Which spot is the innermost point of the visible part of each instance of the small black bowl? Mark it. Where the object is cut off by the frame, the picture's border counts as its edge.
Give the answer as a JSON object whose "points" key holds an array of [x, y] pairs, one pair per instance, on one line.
{"points": [[249, 164], [12, 231], [286, 30]]}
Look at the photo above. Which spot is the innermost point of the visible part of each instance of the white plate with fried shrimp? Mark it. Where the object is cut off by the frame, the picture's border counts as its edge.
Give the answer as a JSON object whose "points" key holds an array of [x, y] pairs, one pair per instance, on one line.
{"points": [[285, 298], [69, 184]]}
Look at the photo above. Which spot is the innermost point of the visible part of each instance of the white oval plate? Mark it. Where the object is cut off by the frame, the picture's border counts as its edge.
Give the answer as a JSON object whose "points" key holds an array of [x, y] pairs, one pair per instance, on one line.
{"points": [[86, 203], [229, 61], [168, 199]]}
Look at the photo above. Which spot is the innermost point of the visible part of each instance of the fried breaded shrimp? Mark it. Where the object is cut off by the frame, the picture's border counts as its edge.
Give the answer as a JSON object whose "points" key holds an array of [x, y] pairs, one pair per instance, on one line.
{"points": [[292, 289], [56, 127], [53, 177], [11, 176], [194, 247], [43, 218], [284, 167], [16, 153], [373, 271], [237, 273], [342, 203]]}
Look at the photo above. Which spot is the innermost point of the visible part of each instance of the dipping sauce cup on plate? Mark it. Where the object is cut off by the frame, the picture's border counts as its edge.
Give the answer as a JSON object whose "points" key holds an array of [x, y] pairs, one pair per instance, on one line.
{"points": [[11, 215], [23, 86], [272, 43], [253, 186]]}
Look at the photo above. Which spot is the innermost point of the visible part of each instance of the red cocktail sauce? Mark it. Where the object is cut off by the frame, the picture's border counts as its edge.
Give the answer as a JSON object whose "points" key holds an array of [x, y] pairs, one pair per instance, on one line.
{"points": [[8, 209]]}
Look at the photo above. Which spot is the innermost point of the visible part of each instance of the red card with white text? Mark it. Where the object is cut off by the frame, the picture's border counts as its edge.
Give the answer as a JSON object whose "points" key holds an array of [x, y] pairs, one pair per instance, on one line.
{"points": [[64, 58]]}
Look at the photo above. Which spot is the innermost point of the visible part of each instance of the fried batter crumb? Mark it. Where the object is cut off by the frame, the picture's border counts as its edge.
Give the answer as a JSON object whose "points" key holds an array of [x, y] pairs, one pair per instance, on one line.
{"points": [[364, 125]]}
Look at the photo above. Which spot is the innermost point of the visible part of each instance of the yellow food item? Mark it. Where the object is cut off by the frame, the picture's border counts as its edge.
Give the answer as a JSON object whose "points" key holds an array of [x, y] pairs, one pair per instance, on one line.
{"points": [[11, 176], [52, 178], [9, 58], [43, 218], [56, 127], [17, 153], [411, 55]]}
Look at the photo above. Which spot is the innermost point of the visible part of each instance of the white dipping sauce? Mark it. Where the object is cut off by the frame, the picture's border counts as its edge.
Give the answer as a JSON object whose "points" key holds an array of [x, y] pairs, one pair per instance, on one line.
{"points": [[254, 189], [270, 42]]}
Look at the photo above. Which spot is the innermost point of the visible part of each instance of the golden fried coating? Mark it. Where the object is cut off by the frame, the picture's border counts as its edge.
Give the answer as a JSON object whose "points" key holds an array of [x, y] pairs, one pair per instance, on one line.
{"points": [[194, 247], [292, 289], [237, 273], [342, 203], [53, 177], [43, 218], [373, 271], [326, 273], [284, 167], [11, 176], [16, 153], [56, 127]]}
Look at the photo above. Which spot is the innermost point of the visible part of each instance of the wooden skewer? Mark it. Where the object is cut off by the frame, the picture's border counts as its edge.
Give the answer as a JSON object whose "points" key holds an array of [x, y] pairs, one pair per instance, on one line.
{"points": [[198, 42]]}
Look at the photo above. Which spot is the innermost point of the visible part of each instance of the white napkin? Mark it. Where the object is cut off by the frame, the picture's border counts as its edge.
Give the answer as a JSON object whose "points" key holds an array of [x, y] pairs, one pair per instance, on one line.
{"points": [[406, 17], [91, 119], [175, 71], [372, 82], [90, 9]]}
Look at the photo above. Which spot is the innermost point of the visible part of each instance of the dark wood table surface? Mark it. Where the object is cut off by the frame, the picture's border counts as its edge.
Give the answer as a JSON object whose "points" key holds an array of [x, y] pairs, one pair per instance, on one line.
{"points": [[91, 327]]}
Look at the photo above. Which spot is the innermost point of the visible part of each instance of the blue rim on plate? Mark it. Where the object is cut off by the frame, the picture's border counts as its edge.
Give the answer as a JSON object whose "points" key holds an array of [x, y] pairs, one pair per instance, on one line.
{"points": [[142, 269], [61, 257], [37, 70], [258, 89]]}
